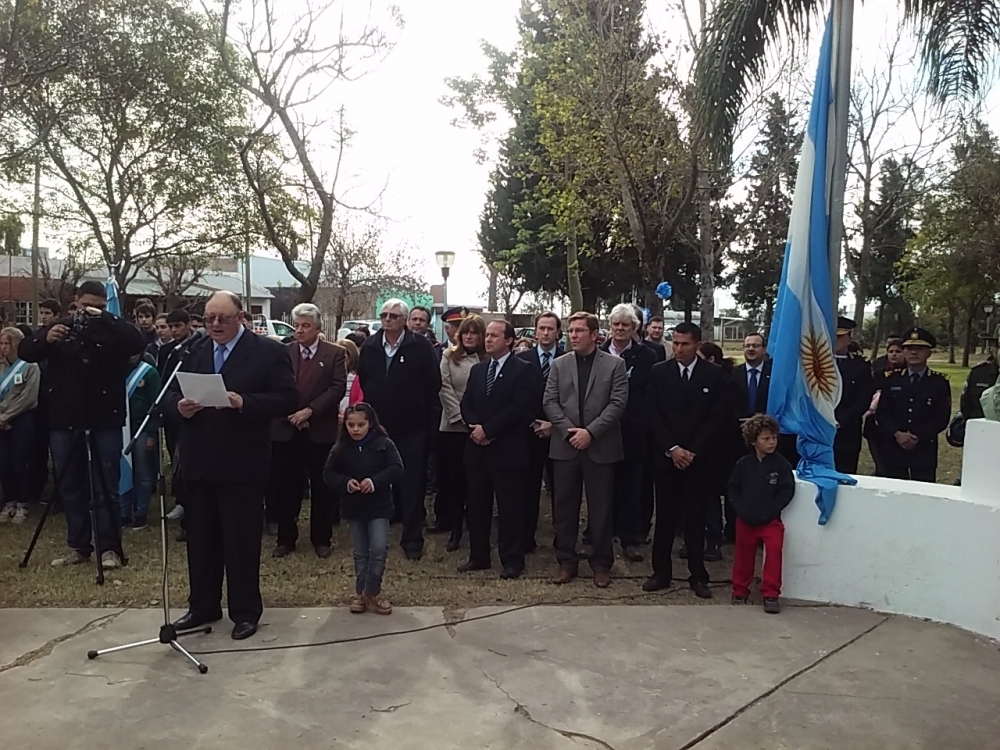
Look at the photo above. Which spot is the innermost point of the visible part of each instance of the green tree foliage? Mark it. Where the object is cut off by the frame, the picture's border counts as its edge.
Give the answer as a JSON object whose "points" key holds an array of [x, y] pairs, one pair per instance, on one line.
{"points": [[756, 261], [953, 265], [136, 131]]}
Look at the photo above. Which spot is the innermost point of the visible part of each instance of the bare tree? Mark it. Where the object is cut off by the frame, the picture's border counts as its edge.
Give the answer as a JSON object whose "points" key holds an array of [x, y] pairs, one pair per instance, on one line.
{"points": [[58, 278], [287, 62], [176, 273], [890, 118]]}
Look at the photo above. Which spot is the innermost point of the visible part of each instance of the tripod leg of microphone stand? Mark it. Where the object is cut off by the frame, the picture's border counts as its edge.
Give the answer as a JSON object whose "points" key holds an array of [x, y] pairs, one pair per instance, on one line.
{"points": [[34, 537], [202, 668]]}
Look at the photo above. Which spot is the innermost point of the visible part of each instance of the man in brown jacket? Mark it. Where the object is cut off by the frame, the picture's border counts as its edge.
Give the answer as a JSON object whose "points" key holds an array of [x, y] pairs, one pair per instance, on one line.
{"points": [[303, 439]]}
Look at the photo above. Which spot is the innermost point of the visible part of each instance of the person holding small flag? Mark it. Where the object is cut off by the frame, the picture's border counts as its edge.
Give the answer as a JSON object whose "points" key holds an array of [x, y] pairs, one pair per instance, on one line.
{"points": [[138, 470]]}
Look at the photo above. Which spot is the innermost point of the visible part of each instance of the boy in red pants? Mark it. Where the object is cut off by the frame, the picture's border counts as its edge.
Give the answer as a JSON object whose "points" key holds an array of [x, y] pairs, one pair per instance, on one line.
{"points": [[760, 487]]}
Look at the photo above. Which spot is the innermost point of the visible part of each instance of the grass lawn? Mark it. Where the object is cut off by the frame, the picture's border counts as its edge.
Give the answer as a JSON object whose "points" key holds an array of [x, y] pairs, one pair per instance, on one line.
{"points": [[304, 580]]}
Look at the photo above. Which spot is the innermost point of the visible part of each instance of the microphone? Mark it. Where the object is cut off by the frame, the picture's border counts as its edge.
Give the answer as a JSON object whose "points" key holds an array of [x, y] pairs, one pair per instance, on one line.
{"points": [[194, 339]]}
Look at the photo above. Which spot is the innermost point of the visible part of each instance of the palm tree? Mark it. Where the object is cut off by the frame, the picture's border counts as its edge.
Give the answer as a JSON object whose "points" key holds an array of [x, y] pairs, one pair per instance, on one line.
{"points": [[960, 41]]}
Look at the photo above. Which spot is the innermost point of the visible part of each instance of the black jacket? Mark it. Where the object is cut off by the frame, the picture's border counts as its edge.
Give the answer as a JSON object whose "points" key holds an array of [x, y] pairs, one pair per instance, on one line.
{"points": [[406, 395], [689, 415], [377, 460], [531, 357], [760, 489], [639, 361], [857, 389], [85, 378], [224, 445], [505, 414]]}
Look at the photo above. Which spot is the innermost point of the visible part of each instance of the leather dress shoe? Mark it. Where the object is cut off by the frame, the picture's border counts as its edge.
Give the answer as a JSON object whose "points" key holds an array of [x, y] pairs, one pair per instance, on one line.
{"points": [[282, 551], [470, 566], [565, 575], [453, 544], [631, 554], [243, 630], [439, 528], [193, 620], [701, 590], [602, 579], [413, 554], [655, 583], [713, 553], [323, 551], [509, 574]]}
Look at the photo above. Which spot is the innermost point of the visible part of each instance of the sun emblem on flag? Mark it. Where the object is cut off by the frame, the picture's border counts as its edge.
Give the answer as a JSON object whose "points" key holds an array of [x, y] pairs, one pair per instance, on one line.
{"points": [[818, 365]]}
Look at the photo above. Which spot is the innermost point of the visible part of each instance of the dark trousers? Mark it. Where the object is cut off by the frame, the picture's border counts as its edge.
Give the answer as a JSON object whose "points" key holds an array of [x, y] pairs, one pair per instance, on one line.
{"points": [[409, 494], [918, 465], [646, 502], [69, 457], [504, 484], [453, 492], [293, 463], [16, 446], [223, 537], [847, 448], [745, 558], [628, 503], [681, 497], [572, 477], [539, 463]]}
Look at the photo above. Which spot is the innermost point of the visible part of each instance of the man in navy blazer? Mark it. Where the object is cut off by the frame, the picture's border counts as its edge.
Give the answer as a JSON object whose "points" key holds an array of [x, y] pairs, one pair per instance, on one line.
{"points": [[224, 455], [497, 409]]}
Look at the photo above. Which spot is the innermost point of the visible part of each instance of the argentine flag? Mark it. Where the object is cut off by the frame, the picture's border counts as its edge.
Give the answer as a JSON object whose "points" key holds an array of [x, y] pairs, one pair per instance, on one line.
{"points": [[805, 382], [114, 307]]}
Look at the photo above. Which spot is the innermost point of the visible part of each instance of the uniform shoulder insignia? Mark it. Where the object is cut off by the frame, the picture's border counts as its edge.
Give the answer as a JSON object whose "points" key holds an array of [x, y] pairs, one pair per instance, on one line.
{"points": [[935, 373]]}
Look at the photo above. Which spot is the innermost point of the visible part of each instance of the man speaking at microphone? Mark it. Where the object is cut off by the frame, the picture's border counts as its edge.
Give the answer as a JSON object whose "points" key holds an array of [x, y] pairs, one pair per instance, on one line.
{"points": [[224, 457]]}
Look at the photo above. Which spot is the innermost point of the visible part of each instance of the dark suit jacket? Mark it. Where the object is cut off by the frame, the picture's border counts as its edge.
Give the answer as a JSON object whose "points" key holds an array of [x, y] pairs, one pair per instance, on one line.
{"points": [[743, 395], [531, 357], [405, 396], [639, 361], [505, 414], [659, 349], [690, 415], [326, 389], [225, 445], [857, 389]]}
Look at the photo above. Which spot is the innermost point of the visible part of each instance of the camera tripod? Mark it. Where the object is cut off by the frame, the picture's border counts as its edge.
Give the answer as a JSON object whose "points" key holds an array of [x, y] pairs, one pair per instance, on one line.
{"points": [[84, 439], [168, 634]]}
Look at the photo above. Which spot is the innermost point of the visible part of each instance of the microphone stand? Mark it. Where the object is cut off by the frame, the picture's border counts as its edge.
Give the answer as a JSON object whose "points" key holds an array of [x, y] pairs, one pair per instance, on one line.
{"points": [[168, 633]]}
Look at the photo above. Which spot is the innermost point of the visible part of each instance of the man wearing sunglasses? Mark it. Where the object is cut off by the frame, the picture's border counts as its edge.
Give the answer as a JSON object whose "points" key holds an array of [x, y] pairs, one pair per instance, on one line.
{"points": [[224, 456], [401, 378]]}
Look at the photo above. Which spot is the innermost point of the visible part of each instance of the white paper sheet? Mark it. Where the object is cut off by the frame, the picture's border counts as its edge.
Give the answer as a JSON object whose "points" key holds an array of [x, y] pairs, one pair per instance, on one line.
{"points": [[207, 390]]}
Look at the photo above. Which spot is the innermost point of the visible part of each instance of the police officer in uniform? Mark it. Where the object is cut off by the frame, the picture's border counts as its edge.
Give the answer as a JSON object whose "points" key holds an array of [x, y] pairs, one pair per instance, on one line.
{"points": [[981, 377], [913, 410], [857, 387]]}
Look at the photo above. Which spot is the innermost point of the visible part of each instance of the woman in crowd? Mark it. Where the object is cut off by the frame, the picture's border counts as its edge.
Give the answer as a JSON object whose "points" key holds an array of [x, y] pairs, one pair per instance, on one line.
{"points": [[893, 361], [456, 364], [523, 344], [19, 382]]}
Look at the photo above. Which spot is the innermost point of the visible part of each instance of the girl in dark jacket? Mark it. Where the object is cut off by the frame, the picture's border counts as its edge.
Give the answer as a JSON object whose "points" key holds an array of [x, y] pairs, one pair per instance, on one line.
{"points": [[361, 468]]}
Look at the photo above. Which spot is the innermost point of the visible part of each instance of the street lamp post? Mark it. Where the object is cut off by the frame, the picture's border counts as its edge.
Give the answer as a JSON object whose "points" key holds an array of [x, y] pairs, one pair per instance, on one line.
{"points": [[988, 309], [445, 260]]}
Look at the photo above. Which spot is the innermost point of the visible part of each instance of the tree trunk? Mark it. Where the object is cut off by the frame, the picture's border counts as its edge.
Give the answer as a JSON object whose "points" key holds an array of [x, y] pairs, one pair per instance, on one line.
{"points": [[573, 274], [879, 317], [307, 291], [707, 260], [951, 335], [970, 319], [491, 302], [768, 316]]}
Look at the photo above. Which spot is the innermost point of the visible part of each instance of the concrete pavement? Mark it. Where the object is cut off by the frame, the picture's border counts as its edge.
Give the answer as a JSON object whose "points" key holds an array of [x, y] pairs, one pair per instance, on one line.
{"points": [[621, 677]]}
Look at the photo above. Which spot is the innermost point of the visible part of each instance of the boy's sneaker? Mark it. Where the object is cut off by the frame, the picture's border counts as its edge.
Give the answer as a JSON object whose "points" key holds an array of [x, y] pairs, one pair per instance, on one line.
{"points": [[20, 516], [176, 513], [359, 604], [771, 606], [7, 513], [109, 560], [741, 599], [72, 557], [139, 523], [379, 604]]}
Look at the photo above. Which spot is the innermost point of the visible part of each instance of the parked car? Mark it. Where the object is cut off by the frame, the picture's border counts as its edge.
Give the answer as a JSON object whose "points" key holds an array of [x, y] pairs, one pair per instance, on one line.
{"points": [[276, 329], [350, 326]]}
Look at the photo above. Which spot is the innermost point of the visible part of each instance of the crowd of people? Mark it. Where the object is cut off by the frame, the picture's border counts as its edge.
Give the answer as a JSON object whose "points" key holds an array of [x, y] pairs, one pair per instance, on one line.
{"points": [[636, 426]]}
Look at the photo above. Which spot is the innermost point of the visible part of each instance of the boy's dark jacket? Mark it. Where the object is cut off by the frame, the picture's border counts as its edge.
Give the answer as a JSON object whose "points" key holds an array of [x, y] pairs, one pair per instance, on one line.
{"points": [[760, 490], [377, 460]]}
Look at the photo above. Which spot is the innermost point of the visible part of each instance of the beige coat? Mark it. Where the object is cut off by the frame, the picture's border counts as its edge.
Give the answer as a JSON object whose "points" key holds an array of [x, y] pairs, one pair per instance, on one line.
{"points": [[454, 378]]}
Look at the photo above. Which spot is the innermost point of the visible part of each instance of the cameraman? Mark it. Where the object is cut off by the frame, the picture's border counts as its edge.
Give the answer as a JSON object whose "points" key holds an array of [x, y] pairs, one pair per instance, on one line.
{"points": [[88, 360]]}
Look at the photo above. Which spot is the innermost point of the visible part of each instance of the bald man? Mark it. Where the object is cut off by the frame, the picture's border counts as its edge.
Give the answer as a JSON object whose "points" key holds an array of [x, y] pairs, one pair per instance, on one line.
{"points": [[224, 454]]}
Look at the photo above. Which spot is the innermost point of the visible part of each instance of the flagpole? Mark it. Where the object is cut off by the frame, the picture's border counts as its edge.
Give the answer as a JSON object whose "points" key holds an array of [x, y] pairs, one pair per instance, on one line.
{"points": [[843, 41]]}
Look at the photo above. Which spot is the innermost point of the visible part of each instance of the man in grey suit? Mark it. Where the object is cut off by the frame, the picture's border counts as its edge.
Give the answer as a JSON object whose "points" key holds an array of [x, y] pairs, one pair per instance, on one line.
{"points": [[585, 397]]}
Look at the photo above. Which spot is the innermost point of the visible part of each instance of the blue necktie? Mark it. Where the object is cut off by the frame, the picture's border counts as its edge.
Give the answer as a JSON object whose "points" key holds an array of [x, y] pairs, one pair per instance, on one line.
{"points": [[220, 358], [752, 391]]}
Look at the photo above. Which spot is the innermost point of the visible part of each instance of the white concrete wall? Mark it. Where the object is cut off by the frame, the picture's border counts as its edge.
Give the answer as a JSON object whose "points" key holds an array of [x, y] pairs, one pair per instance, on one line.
{"points": [[909, 548]]}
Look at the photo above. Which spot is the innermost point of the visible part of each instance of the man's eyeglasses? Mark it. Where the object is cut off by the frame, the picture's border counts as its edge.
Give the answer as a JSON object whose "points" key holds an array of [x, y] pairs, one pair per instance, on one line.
{"points": [[390, 316], [222, 319]]}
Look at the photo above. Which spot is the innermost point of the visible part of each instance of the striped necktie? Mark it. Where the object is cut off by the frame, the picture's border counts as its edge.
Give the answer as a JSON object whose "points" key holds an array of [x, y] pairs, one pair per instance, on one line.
{"points": [[491, 376], [546, 364]]}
